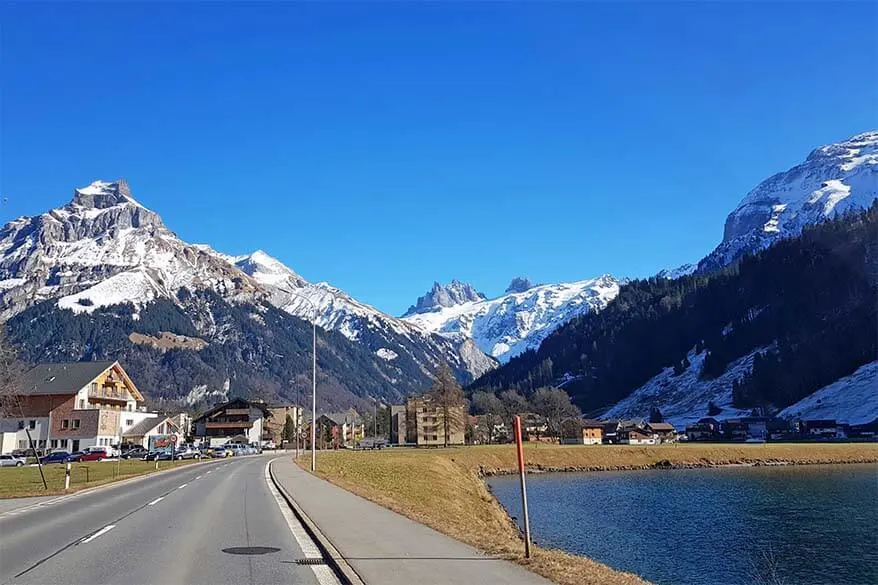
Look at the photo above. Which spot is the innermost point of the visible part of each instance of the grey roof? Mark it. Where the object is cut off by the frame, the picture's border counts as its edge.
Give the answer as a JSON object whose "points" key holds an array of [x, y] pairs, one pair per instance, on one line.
{"points": [[61, 378], [343, 417], [146, 425]]}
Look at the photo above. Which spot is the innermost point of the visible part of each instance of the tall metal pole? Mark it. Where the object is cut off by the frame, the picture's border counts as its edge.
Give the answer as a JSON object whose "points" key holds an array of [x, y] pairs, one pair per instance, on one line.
{"points": [[298, 426], [314, 392]]}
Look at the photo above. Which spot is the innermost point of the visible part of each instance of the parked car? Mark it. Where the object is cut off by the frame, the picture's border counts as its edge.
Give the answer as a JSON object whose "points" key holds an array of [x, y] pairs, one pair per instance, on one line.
{"points": [[55, 457], [153, 455], [95, 454], [11, 461], [188, 453], [268, 446], [135, 453], [220, 453]]}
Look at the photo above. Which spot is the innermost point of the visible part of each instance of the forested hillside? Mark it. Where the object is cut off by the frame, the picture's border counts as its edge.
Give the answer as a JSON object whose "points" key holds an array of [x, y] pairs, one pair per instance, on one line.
{"points": [[812, 299], [262, 351]]}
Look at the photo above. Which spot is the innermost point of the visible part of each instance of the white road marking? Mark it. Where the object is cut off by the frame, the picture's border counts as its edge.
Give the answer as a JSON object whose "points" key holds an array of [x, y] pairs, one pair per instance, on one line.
{"points": [[323, 573], [182, 486], [209, 472], [199, 477], [103, 530], [156, 501]]}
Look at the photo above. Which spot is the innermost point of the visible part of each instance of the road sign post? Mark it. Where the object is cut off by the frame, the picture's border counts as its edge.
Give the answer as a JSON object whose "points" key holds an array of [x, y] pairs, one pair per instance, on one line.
{"points": [[520, 451]]}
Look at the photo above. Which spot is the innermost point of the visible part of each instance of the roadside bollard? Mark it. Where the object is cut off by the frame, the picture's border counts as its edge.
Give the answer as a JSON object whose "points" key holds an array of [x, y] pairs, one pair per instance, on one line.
{"points": [[156, 462], [67, 477]]}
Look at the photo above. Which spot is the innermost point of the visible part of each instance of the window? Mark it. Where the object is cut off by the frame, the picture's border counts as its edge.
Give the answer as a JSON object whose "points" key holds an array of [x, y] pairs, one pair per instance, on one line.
{"points": [[65, 424], [82, 403], [75, 423], [20, 425], [32, 424], [129, 422], [54, 444], [94, 386]]}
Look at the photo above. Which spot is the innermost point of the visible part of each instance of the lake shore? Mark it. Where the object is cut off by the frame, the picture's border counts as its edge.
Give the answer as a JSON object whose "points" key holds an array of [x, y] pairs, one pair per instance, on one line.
{"points": [[444, 488]]}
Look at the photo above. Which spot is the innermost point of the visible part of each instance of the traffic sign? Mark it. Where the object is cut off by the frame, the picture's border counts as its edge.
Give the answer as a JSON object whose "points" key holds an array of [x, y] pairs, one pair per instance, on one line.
{"points": [[173, 438]]}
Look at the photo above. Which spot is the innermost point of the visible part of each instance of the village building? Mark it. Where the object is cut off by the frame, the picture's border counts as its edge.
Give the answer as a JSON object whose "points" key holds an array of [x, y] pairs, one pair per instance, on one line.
{"points": [[582, 432], [71, 406], [421, 422], [237, 419], [662, 432]]}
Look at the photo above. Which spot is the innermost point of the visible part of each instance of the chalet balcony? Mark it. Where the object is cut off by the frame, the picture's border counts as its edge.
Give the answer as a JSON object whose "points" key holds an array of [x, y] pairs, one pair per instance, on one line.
{"points": [[228, 425], [107, 395]]}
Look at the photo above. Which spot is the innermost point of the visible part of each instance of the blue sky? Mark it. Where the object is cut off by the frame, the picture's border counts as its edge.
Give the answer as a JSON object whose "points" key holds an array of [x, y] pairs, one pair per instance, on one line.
{"points": [[381, 147]]}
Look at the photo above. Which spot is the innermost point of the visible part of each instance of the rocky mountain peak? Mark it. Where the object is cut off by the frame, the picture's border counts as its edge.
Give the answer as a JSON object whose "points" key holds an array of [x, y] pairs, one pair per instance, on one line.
{"points": [[833, 179], [446, 295], [519, 284], [102, 195]]}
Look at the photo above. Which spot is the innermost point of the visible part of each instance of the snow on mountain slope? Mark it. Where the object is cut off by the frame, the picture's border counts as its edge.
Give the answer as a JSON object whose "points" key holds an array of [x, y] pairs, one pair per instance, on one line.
{"points": [[336, 310], [684, 399], [833, 179], [852, 399], [105, 247], [510, 324]]}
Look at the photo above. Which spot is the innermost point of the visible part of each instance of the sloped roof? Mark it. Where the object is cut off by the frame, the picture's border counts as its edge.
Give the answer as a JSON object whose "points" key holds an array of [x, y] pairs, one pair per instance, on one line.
{"points": [[662, 426], [143, 427], [231, 404], [61, 378]]}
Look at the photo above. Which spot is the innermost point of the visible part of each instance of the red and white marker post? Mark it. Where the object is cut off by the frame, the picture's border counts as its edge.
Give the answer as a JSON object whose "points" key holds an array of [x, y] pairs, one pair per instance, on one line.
{"points": [[520, 449]]}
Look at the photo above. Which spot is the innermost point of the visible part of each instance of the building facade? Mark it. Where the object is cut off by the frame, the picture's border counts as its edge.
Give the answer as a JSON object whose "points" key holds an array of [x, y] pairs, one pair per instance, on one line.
{"points": [[70, 406], [237, 419]]}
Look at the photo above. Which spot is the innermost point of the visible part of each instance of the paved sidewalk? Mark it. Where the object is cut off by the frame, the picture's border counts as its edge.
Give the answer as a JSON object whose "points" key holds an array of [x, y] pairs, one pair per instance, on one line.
{"points": [[386, 548]]}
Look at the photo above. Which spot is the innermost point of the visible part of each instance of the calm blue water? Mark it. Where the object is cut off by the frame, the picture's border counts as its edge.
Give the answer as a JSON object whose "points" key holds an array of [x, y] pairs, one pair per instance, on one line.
{"points": [[813, 525]]}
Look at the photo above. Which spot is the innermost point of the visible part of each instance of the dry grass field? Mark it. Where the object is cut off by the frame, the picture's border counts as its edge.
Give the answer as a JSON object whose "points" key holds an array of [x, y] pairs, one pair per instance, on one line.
{"points": [[443, 488]]}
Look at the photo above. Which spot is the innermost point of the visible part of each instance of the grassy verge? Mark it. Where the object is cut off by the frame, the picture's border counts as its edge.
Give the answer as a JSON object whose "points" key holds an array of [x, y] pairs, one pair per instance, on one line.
{"points": [[25, 481], [443, 489]]}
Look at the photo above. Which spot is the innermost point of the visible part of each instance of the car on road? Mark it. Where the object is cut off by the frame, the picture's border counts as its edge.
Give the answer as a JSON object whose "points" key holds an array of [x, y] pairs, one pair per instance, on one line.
{"points": [[55, 457], [11, 461], [135, 453]]}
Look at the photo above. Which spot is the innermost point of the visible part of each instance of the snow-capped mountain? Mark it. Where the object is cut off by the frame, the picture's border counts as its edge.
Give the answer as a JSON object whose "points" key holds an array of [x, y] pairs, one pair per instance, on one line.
{"points": [[833, 179], [387, 336], [445, 295], [104, 248], [516, 321]]}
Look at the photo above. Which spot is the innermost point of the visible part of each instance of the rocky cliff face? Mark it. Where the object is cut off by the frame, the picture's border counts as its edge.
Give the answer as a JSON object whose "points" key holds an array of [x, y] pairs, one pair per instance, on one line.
{"points": [[446, 295]]}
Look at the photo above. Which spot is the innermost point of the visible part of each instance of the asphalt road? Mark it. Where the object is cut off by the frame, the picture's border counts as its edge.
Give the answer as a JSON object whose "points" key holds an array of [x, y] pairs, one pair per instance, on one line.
{"points": [[214, 523]]}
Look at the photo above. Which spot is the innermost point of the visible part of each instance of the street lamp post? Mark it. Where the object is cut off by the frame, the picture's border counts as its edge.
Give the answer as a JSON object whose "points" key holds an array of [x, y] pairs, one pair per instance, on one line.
{"points": [[313, 376]]}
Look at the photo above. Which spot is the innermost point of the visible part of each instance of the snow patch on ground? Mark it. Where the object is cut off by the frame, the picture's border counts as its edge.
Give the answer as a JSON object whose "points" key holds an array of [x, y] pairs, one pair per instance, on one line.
{"points": [[684, 399], [386, 354], [202, 394], [852, 399]]}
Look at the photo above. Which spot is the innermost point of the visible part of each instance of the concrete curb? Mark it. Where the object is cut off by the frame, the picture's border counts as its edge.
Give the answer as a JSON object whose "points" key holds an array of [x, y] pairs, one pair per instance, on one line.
{"points": [[346, 574]]}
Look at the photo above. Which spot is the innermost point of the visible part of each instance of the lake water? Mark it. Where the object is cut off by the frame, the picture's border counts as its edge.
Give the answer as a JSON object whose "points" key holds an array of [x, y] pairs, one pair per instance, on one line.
{"points": [[809, 524]]}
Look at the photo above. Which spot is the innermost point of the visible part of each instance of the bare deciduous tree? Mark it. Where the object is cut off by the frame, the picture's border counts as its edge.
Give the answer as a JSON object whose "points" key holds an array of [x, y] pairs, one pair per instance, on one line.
{"points": [[555, 405], [10, 376], [447, 396]]}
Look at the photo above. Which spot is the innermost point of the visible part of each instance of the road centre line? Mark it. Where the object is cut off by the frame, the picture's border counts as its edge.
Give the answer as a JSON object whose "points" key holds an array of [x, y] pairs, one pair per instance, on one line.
{"points": [[103, 530], [156, 501], [182, 486]]}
